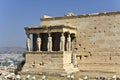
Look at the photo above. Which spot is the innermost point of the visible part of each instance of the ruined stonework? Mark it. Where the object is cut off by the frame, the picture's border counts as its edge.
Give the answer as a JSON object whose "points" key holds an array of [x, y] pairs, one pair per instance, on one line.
{"points": [[95, 43]]}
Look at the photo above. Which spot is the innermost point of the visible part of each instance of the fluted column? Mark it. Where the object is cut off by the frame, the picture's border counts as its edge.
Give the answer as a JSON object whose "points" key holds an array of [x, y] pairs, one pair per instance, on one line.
{"points": [[49, 46], [62, 42], [28, 42], [68, 45], [38, 43]]}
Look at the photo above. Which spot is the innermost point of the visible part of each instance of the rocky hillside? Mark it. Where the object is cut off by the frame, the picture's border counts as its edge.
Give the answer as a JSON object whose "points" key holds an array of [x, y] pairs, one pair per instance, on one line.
{"points": [[12, 50]]}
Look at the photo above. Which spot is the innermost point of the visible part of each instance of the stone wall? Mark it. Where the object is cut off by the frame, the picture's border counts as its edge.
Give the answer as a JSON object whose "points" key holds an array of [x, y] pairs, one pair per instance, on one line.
{"points": [[98, 38], [57, 61], [44, 59]]}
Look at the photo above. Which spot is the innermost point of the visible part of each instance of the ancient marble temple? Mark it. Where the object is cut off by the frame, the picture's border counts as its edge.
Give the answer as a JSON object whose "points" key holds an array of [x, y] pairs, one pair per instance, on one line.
{"points": [[51, 49], [89, 42]]}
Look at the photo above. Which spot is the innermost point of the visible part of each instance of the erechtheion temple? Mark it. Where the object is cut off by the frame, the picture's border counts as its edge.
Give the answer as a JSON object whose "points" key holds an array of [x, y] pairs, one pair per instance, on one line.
{"points": [[74, 43]]}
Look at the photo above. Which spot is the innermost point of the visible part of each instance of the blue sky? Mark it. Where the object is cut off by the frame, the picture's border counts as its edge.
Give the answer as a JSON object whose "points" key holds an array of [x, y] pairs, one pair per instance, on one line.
{"points": [[17, 14]]}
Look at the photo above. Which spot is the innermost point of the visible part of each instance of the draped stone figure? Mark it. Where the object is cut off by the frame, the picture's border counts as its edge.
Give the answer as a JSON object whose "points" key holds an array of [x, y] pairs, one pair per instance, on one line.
{"points": [[39, 43], [74, 60], [49, 46], [68, 45], [28, 43], [62, 42]]}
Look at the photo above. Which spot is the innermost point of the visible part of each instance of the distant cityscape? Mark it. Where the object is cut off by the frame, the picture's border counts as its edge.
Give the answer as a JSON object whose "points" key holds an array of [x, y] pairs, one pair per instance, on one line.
{"points": [[10, 57], [12, 50]]}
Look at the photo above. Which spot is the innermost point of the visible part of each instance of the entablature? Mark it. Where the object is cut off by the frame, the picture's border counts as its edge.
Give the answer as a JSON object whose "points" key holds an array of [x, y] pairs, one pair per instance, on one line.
{"points": [[50, 29]]}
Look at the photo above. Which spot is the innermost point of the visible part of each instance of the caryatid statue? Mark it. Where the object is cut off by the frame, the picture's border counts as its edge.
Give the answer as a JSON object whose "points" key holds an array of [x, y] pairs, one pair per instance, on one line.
{"points": [[62, 42], [49, 46], [68, 45], [38, 43], [74, 61], [28, 42]]}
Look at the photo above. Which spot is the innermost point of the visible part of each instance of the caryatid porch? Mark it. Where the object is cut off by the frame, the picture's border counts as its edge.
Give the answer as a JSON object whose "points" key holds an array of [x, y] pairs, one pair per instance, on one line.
{"points": [[51, 49]]}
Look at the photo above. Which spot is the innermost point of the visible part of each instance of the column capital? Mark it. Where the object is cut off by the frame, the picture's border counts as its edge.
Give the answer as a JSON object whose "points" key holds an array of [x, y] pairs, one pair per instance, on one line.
{"points": [[38, 35], [27, 33], [62, 33], [69, 35], [68, 32], [49, 34]]}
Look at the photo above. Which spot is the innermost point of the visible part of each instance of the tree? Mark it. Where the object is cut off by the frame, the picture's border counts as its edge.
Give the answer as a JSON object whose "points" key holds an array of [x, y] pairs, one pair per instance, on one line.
{"points": [[20, 64]]}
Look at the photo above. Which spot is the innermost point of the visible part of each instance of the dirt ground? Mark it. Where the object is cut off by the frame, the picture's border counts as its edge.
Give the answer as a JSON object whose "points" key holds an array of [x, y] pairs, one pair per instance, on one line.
{"points": [[81, 74]]}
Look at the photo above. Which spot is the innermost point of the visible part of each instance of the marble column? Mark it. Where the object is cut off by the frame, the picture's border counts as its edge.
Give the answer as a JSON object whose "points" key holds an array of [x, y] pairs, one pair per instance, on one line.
{"points": [[62, 42], [28, 42], [38, 43], [49, 46], [68, 45]]}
